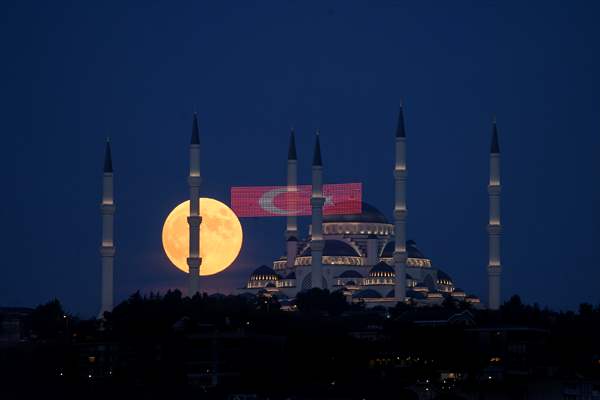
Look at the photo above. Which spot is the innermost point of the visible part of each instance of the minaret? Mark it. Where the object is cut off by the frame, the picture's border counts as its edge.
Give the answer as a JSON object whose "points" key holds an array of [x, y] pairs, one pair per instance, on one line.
{"points": [[316, 201], [400, 211], [291, 228], [194, 219], [494, 227], [107, 249]]}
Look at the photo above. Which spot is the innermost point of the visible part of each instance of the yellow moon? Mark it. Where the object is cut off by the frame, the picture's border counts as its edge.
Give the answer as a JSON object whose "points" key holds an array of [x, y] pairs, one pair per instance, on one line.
{"points": [[220, 236]]}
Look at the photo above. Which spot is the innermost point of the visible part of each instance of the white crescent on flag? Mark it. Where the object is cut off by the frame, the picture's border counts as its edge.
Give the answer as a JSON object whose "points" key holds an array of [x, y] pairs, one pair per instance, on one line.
{"points": [[266, 202]]}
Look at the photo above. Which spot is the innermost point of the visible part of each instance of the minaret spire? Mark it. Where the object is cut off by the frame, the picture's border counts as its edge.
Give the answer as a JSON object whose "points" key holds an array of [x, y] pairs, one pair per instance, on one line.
{"points": [[317, 161], [194, 220], [495, 146], [494, 227], [292, 147], [291, 229], [400, 131], [107, 248], [317, 201], [108, 168], [400, 210], [195, 132]]}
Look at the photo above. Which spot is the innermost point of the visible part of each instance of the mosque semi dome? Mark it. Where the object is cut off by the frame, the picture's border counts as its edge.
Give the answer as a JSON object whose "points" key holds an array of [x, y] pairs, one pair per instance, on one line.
{"points": [[333, 248], [263, 273], [443, 278], [351, 274], [411, 249], [335, 252], [381, 269]]}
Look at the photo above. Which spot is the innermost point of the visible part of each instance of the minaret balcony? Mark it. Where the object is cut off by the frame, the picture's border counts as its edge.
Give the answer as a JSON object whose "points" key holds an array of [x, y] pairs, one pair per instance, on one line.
{"points": [[194, 262], [400, 174], [194, 181], [494, 189], [194, 221], [400, 213], [494, 270], [107, 208], [494, 229], [317, 202], [107, 251]]}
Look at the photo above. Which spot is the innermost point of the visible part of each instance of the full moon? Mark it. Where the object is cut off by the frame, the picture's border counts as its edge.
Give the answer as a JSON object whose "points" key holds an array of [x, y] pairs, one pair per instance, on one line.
{"points": [[220, 236]]}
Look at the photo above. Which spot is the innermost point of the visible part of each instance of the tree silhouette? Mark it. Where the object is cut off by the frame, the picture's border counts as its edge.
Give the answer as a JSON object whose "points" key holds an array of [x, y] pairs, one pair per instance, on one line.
{"points": [[48, 321], [321, 301]]}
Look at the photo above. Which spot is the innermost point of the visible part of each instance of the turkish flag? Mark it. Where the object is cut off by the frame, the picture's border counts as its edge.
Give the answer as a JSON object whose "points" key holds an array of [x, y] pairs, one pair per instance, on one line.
{"points": [[278, 201]]}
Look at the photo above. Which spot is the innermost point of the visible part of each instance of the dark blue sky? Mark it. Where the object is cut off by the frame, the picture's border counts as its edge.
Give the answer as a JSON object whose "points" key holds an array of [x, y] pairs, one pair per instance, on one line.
{"points": [[76, 72]]}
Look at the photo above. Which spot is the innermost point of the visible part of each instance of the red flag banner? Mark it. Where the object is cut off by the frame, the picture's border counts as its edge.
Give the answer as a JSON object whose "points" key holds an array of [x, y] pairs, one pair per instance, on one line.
{"points": [[281, 201]]}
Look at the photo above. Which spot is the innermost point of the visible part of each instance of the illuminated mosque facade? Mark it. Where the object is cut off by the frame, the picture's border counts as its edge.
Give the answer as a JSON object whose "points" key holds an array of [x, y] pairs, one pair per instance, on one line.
{"points": [[365, 255]]}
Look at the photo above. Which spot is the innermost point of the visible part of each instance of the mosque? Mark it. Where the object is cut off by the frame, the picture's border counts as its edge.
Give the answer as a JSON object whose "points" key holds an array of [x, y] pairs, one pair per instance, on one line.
{"points": [[364, 255], [357, 258], [358, 253]]}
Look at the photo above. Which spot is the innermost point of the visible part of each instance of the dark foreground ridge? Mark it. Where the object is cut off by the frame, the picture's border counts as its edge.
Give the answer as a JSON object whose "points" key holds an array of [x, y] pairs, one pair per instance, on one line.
{"points": [[248, 347]]}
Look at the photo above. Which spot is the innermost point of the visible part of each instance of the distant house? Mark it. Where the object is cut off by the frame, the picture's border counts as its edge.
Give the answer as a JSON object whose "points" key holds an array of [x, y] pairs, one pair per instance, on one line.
{"points": [[13, 325]]}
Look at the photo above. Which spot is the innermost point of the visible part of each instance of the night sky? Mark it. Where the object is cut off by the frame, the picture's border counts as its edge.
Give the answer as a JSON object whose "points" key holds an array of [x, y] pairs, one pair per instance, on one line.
{"points": [[76, 72]]}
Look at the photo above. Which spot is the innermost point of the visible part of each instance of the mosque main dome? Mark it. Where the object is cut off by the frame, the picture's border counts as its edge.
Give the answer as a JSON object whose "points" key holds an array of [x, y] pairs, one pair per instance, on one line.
{"points": [[370, 221], [368, 214]]}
